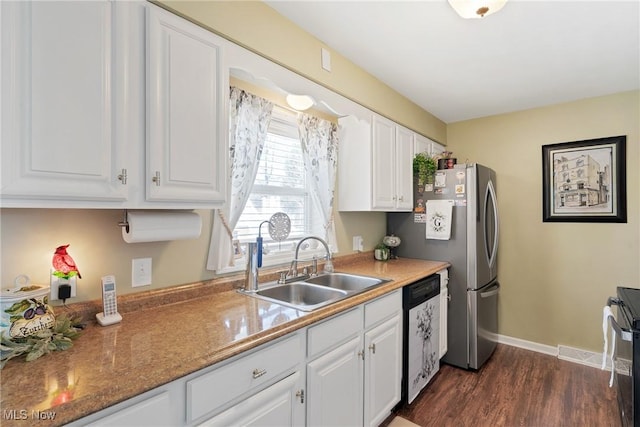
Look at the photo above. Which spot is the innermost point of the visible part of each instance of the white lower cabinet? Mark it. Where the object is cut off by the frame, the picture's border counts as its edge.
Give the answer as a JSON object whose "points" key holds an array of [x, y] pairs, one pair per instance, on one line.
{"points": [[237, 382], [358, 381], [382, 370], [334, 383], [343, 371], [281, 404]]}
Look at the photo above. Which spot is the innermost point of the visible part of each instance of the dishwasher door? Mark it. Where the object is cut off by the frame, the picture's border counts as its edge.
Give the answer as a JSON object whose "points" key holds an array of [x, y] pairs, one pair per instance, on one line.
{"points": [[483, 323], [423, 346]]}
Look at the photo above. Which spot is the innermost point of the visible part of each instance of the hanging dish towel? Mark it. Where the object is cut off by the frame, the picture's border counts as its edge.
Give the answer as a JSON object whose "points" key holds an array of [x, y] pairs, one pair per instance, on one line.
{"points": [[606, 325], [439, 213]]}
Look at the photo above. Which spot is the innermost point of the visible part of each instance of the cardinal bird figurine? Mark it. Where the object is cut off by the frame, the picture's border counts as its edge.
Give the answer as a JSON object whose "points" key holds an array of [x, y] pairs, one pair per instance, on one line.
{"points": [[63, 262]]}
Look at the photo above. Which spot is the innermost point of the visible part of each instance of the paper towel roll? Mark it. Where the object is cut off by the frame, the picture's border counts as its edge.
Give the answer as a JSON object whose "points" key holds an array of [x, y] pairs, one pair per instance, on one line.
{"points": [[161, 226]]}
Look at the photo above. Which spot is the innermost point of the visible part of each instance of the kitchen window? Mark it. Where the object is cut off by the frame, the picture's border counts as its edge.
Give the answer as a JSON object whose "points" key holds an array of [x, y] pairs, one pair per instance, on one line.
{"points": [[280, 186], [281, 161]]}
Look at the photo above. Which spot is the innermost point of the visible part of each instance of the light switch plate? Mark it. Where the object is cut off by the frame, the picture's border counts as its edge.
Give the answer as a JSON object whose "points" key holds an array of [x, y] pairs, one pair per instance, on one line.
{"points": [[140, 272]]}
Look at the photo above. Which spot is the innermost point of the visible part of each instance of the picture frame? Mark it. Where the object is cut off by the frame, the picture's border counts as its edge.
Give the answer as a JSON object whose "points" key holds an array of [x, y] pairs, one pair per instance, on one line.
{"points": [[585, 181]]}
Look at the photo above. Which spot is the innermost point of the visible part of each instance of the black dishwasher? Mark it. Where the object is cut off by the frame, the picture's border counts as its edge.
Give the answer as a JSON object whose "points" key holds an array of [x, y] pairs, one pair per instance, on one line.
{"points": [[421, 343]]}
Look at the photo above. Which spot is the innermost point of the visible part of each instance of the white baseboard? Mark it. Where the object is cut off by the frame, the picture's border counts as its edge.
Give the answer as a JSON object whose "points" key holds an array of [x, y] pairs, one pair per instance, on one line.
{"points": [[528, 345], [563, 352]]}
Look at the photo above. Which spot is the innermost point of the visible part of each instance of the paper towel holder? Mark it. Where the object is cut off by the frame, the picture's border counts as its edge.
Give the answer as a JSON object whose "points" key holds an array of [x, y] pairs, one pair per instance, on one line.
{"points": [[125, 222]]}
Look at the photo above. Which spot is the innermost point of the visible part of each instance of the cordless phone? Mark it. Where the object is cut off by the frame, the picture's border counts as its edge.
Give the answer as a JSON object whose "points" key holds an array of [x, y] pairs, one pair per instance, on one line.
{"points": [[109, 313]]}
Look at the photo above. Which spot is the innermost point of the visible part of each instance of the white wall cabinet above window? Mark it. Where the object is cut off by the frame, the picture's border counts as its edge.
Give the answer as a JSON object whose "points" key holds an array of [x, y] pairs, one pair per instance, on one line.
{"points": [[375, 165], [73, 109]]}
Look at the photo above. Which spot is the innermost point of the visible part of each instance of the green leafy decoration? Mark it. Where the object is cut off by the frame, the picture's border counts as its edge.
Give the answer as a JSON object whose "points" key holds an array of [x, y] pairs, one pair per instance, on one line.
{"points": [[62, 275], [60, 337]]}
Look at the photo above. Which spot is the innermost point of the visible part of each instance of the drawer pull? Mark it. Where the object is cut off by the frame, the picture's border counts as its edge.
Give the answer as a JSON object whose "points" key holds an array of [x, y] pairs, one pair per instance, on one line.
{"points": [[257, 373]]}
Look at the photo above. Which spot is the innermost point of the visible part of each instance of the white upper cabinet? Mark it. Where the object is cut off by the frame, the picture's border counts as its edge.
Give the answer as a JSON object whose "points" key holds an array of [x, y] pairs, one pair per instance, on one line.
{"points": [[384, 170], [74, 120], [422, 144], [187, 86], [404, 169], [62, 97], [375, 165]]}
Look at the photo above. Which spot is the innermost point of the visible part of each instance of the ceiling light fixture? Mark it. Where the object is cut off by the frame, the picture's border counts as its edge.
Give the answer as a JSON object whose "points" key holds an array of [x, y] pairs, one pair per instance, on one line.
{"points": [[471, 9], [300, 102]]}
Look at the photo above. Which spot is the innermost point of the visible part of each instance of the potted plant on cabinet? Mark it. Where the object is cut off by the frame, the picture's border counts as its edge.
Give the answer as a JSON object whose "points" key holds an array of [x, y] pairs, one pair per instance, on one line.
{"points": [[424, 166]]}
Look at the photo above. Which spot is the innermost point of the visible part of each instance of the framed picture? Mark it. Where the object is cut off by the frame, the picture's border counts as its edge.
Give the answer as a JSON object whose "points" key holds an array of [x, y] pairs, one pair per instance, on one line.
{"points": [[585, 181]]}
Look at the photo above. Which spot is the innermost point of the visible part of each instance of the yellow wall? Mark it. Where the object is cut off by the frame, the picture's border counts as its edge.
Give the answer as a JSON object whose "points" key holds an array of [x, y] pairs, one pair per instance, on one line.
{"points": [[556, 277], [257, 27]]}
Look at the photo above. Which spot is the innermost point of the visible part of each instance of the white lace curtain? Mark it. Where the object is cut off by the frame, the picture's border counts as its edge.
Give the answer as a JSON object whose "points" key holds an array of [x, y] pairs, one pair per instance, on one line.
{"points": [[320, 152], [249, 117]]}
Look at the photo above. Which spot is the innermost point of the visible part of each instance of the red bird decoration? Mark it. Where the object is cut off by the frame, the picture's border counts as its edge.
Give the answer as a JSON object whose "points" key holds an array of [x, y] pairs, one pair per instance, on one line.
{"points": [[63, 262]]}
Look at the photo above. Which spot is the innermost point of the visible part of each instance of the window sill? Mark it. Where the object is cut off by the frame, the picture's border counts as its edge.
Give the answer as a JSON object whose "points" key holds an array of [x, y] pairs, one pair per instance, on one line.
{"points": [[281, 258]]}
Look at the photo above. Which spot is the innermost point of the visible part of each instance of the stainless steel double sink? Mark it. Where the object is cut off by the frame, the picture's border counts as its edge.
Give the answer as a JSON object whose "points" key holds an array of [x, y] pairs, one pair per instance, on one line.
{"points": [[318, 291]]}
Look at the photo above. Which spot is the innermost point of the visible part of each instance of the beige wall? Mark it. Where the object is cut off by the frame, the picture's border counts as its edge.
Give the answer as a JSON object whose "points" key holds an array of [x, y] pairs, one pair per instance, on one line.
{"points": [[29, 236], [556, 277], [257, 27]]}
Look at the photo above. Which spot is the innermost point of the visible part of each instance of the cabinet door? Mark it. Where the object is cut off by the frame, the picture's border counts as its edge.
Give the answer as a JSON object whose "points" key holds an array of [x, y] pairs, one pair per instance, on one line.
{"points": [[278, 405], [60, 91], [155, 411], [334, 383], [187, 92], [383, 370], [383, 145], [404, 169]]}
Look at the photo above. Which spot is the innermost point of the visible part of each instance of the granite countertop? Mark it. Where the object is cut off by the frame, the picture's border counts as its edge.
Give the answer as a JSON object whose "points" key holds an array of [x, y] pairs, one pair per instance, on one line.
{"points": [[167, 334]]}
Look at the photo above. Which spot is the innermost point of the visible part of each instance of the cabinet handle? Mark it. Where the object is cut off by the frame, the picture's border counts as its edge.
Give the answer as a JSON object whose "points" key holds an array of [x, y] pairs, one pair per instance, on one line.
{"points": [[300, 394], [401, 198], [257, 373], [361, 354], [395, 197], [372, 347], [123, 177], [156, 178]]}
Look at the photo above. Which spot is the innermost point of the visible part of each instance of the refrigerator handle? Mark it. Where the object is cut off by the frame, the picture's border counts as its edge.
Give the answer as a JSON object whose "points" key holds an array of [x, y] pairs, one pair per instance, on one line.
{"points": [[489, 293], [491, 193]]}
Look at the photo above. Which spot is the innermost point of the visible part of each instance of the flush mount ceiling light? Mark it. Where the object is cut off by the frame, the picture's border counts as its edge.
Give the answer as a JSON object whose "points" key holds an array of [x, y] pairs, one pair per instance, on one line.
{"points": [[470, 9], [300, 102]]}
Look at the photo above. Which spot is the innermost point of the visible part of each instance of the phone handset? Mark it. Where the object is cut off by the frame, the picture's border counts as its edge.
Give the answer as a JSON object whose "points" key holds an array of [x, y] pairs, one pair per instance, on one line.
{"points": [[109, 314]]}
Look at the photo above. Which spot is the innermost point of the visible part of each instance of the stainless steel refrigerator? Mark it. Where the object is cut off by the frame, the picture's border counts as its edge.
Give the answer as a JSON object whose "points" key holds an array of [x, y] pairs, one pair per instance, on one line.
{"points": [[471, 246]]}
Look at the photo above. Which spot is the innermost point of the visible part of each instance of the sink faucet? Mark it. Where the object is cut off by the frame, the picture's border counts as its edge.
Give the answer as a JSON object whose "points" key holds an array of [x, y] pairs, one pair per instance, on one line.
{"points": [[328, 267]]}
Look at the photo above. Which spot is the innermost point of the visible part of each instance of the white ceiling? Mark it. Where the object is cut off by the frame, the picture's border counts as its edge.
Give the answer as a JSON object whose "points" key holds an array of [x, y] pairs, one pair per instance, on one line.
{"points": [[529, 54]]}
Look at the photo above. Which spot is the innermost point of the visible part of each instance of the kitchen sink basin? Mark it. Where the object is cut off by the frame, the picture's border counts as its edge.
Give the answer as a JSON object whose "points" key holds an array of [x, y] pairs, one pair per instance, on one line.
{"points": [[309, 294], [303, 296], [346, 282]]}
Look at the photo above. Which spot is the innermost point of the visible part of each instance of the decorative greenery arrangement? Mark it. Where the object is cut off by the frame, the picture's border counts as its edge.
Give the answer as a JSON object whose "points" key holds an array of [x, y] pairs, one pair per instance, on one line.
{"points": [[424, 166], [60, 337]]}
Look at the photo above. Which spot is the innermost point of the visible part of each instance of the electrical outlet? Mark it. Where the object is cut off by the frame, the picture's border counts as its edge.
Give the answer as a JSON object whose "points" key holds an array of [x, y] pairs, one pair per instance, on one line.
{"points": [[55, 283], [140, 272], [358, 243]]}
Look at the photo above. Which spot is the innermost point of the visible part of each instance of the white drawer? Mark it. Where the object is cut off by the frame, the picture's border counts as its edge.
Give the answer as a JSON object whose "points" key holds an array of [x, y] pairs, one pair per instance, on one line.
{"points": [[214, 389], [333, 331], [383, 307]]}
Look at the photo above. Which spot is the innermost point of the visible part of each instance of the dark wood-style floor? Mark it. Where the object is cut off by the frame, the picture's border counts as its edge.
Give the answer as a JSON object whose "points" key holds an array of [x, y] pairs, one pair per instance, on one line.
{"points": [[517, 387]]}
